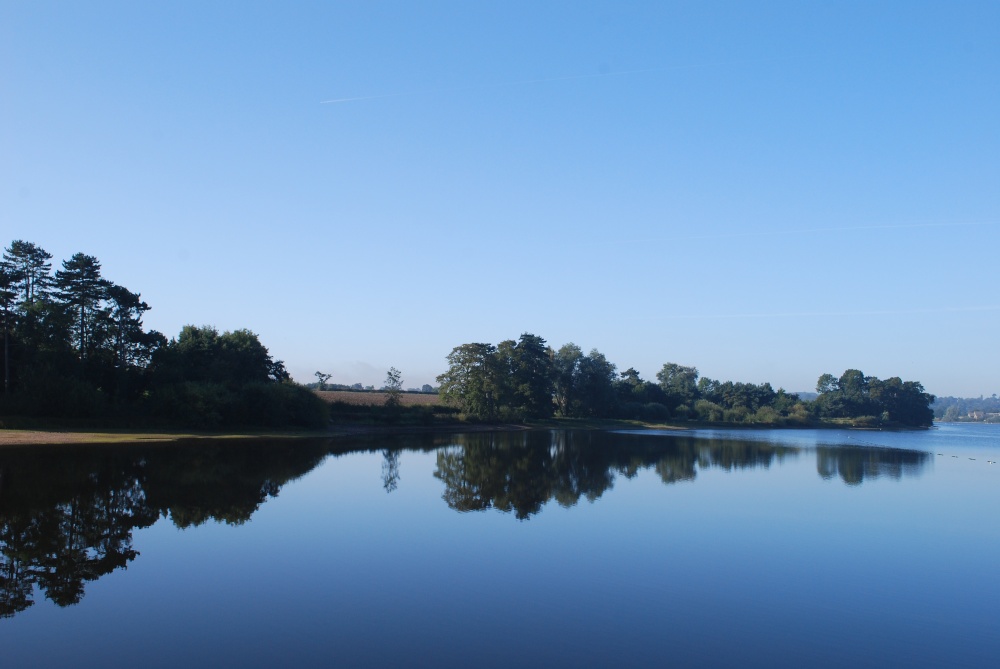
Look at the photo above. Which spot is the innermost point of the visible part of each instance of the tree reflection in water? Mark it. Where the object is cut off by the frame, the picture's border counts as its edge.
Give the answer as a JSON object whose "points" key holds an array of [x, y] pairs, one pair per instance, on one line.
{"points": [[390, 470], [854, 464], [67, 514], [521, 472]]}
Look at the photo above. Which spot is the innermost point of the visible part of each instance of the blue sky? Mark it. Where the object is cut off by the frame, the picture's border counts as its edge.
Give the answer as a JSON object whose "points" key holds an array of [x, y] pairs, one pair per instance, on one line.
{"points": [[766, 191]]}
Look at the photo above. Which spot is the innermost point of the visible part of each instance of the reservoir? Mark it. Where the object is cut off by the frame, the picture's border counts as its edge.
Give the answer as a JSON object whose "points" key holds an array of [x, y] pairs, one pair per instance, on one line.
{"points": [[509, 549]]}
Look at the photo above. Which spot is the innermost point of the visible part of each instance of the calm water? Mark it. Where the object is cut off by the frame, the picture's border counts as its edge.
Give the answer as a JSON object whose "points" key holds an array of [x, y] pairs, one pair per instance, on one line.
{"points": [[581, 549]]}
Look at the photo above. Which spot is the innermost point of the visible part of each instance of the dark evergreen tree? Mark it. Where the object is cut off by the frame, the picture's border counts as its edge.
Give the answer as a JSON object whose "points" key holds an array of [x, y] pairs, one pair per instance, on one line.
{"points": [[81, 289], [31, 269]]}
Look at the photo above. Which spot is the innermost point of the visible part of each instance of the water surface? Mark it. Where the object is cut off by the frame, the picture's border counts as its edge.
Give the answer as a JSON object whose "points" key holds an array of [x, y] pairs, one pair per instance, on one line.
{"points": [[709, 548]]}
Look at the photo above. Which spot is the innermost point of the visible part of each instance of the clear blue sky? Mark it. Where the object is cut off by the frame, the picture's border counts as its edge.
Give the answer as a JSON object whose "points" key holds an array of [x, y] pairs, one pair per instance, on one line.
{"points": [[766, 191]]}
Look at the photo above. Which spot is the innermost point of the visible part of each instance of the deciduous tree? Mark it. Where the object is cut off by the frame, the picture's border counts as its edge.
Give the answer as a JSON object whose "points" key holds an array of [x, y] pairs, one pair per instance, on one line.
{"points": [[393, 388], [471, 380]]}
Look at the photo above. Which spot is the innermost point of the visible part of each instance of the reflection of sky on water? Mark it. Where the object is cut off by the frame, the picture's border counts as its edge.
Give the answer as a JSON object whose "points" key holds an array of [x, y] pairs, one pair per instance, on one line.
{"points": [[841, 454], [754, 560], [944, 436]]}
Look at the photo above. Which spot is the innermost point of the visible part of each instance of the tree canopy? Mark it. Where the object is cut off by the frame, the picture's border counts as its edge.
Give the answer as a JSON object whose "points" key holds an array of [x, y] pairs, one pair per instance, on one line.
{"points": [[75, 347], [526, 379]]}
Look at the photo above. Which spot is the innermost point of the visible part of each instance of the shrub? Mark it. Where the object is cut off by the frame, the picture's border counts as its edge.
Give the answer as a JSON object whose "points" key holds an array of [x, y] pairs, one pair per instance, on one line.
{"points": [[865, 421], [655, 411], [767, 416], [57, 397], [709, 411], [205, 405]]}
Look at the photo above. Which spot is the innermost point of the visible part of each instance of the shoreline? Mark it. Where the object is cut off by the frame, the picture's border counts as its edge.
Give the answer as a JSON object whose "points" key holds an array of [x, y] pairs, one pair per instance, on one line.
{"points": [[69, 437]]}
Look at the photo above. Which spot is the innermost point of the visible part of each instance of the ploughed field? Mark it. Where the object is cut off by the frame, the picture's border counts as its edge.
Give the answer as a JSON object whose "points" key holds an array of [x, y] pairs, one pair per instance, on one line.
{"points": [[365, 398]]}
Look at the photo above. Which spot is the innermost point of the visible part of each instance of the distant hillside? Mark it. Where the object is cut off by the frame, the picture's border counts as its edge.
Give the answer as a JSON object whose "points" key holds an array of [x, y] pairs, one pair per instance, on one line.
{"points": [[967, 409]]}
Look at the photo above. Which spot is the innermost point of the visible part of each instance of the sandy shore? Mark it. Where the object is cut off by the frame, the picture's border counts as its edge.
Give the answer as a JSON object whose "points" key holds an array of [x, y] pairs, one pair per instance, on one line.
{"points": [[29, 437], [45, 437]]}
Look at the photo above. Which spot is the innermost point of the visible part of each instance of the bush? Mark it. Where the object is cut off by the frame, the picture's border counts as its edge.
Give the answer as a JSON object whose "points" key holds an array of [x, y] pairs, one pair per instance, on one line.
{"points": [[767, 416], [865, 421], [191, 404], [57, 397], [738, 414], [207, 405], [655, 411], [709, 411]]}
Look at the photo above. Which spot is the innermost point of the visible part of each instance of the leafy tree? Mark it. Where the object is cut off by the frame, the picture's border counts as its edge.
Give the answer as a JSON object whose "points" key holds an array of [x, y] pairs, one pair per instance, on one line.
{"points": [[632, 390], [531, 370], [566, 363], [892, 401], [595, 386], [827, 383], [201, 354], [393, 388], [322, 378], [903, 402], [680, 384], [471, 382]]}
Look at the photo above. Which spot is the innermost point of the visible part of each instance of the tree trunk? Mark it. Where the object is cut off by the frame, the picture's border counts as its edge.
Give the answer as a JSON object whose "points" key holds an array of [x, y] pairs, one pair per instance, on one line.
{"points": [[6, 352]]}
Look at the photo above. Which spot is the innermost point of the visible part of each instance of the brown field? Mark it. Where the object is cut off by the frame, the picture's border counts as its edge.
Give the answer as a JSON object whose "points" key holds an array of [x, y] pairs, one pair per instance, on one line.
{"points": [[357, 398]]}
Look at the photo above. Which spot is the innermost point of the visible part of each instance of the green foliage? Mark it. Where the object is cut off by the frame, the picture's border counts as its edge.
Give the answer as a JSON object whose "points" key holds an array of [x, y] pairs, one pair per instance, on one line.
{"points": [[632, 389], [321, 380], [393, 389], [56, 396], [81, 352], [708, 411], [81, 289], [865, 421], [767, 415], [586, 385], [375, 414], [528, 366], [566, 364], [679, 384], [967, 409], [871, 402], [594, 387], [201, 354], [472, 380], [29, 267], [488, 383], [210, 406]]}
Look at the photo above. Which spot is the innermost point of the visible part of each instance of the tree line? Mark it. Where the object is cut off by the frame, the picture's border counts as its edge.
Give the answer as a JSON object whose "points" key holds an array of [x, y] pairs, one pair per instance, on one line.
{"points": [[526, 379], [967, 409], [75, 347]]}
